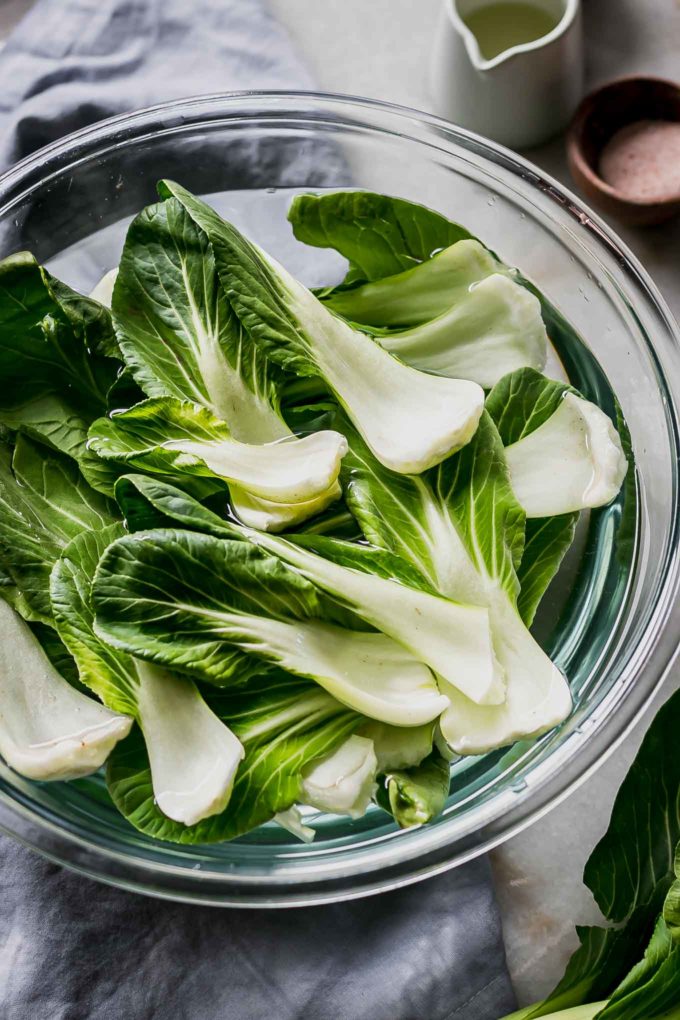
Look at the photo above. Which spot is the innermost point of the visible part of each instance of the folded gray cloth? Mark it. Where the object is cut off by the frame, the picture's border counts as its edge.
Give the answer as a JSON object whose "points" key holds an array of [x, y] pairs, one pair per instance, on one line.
{"points": [[73, 950], [73, 62]]}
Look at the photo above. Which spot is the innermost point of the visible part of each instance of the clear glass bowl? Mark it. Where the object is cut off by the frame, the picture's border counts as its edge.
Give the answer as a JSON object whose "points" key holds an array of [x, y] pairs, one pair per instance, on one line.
{"points": [[610, 619]]}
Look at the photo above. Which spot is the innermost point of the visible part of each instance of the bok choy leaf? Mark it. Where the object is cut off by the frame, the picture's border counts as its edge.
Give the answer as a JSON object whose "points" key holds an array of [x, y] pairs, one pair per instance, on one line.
{"points": [[519, 402], [217, 608], [53, 342], [284, 725], [671, 910], [44, 504], [462, 529], [166, 436], [58, 358], [568, 470], [652, 987], [433, 417], [378, 235], [181, 339], [453, 638], [193, 756], [416, 795], [630, 873], [177, 331], [381, 588]]}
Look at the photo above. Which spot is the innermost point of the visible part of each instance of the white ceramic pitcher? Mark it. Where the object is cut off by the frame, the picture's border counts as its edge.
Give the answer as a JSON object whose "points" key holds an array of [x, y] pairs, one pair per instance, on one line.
{"points": [[521, 97]]}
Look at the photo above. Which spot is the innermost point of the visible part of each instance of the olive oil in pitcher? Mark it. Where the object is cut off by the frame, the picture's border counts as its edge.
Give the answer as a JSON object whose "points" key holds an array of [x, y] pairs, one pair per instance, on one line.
{"points": [[498, 27]]}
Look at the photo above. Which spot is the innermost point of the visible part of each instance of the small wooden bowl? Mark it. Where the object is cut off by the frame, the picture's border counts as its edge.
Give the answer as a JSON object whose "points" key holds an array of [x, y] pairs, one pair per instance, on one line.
{"points": [[601, 115]]}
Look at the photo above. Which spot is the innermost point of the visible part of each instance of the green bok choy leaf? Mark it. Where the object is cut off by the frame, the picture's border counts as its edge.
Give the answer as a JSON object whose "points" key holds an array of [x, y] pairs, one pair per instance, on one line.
{"points": [[416, 795], [379, 235], [44, 504], [285, 725], [631, 970], [181, 339], [193, 756], [59, 360], [167, 436], [460, 526], [409, 419], [381, 588], [217, 608]]}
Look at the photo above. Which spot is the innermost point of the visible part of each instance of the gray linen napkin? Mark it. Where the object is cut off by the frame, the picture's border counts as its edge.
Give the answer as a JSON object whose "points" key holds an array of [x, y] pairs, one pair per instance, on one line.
{"points": [[73, 950]]}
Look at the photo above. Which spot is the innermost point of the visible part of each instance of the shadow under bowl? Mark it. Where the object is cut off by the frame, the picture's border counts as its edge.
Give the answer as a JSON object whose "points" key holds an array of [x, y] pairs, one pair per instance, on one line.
{"points": [[600, 115]]}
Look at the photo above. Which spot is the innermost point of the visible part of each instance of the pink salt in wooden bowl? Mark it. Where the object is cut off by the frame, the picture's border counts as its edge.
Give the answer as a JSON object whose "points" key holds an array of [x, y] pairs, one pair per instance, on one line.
{"points": [[603, 114]]}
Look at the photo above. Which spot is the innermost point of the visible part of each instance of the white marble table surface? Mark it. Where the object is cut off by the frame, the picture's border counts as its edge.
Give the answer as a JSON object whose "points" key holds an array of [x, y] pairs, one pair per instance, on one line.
{"points": [[380, 49]]}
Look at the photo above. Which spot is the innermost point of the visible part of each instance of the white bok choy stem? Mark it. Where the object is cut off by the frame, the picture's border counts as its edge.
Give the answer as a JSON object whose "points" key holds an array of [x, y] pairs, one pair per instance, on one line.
{"points": [[48, 729], [573, 461], [103, 289], [538, 695], [396, 747], [193, 755], [494, 329], [432, 417], [269, 482], [284, 472], [293, 822], [343, 783], [267, 515], [370, 673]]}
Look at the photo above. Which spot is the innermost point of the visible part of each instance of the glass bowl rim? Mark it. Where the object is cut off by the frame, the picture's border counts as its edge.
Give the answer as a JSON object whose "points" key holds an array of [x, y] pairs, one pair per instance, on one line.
{"points": [[422, 852]]}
